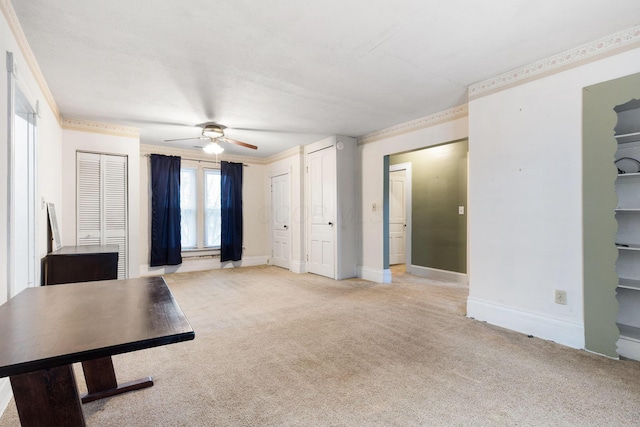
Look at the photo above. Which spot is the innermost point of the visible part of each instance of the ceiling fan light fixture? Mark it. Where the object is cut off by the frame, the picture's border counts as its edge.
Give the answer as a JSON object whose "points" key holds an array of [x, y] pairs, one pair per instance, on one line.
{"points": [[213, 148], [212, 131]]}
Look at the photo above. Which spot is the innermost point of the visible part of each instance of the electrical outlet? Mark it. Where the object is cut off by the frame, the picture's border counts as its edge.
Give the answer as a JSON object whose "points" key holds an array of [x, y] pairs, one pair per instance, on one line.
{"points": [[561, 297]]}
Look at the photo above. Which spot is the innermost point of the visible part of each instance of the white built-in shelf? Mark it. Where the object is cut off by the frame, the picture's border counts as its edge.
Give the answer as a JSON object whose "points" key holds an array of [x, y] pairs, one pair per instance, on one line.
{"points": [[629, 175], [627, 214], [630, 333], [626, 138], [629, 284], [627, 246], [630, 210]]}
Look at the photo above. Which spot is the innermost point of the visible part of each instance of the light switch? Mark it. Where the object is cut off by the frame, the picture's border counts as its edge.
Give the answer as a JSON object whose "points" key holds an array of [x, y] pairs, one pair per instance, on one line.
{"points": [[460, 210]]}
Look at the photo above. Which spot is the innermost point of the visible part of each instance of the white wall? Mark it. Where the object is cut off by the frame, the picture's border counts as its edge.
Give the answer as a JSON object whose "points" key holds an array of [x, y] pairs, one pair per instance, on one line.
{"points": [[73, 141], [525, 205], [48, 148], [290, 162], [372, 166], [48, 153], [255, 215]]}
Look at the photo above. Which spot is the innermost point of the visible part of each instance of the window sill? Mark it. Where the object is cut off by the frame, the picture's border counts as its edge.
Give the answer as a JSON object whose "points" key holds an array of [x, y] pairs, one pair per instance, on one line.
{"points": [[193, 253]]}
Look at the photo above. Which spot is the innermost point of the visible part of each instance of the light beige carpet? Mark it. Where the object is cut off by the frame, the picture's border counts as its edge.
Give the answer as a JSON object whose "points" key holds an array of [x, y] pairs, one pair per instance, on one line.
{"points": [[274, 348]]}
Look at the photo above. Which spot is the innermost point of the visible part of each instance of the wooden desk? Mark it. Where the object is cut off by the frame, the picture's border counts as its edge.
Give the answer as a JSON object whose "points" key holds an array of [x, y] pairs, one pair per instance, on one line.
{"points": [[44, 330]]}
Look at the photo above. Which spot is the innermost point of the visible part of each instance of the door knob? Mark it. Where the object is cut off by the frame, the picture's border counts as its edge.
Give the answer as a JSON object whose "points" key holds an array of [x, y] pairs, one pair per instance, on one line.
{"points": [[330, 223], [286, 227]]}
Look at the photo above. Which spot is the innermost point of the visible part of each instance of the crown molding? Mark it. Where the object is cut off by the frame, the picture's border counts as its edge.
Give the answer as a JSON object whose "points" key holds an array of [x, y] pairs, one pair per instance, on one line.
{"points": [[197, 155], [98, 127], [16, 29], [606, 46], [293, 151], [417, 124]]}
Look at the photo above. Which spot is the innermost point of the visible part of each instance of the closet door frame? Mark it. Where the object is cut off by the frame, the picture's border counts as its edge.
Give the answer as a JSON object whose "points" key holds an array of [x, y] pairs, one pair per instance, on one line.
{"points": [[104, 233]]}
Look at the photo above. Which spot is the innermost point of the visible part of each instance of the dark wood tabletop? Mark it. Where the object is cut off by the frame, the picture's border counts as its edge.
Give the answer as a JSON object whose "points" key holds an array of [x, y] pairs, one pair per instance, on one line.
{"points": [[50, 326]]}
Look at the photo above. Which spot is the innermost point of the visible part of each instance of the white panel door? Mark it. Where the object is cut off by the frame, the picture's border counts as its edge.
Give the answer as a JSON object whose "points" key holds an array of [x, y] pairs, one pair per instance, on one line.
{"points": [[102, 203], [115, 208], [280, 208], [397, 217], [89, 199], [321, 173]]}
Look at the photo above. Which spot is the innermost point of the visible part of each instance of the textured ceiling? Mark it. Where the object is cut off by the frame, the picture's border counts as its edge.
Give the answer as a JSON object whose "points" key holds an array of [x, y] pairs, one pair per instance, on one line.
{"points": [[282, 73]]}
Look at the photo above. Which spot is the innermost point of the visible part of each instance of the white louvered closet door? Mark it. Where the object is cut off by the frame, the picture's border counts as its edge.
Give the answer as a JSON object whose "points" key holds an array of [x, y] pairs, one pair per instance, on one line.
{"points": [[102, 203]]}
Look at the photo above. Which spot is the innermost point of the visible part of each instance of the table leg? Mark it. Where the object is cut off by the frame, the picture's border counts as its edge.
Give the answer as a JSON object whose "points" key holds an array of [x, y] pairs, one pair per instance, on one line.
{"points": [[48, 397], [101, 380]]}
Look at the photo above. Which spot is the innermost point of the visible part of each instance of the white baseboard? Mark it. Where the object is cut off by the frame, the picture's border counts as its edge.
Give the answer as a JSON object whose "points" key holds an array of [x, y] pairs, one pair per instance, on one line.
{"points": [[436, 274], [387, 276], [298, 267], [5, 394], [378, 276], [567, 332], [201, 264]]}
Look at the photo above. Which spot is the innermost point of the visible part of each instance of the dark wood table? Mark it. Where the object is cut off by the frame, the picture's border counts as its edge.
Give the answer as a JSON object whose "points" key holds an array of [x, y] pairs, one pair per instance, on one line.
{"points": [[86, 263], [43, 330]]}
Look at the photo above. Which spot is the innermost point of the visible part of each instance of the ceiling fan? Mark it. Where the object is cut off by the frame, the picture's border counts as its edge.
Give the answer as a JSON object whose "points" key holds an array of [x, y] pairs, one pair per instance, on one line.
{"points": [[215, 133]]}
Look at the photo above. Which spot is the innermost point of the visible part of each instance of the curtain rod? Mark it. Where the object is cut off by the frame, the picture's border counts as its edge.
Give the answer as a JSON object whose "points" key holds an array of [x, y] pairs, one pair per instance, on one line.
{"points": [[199, 160]]}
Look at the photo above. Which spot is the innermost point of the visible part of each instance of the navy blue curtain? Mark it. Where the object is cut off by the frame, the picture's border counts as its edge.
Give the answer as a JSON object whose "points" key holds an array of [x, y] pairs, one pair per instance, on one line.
{"points": [[165, 211], [231, 211]]}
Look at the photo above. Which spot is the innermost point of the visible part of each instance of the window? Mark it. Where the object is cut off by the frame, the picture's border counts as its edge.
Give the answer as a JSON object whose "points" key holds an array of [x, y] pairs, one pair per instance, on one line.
{"points": [[22, 178], [199, 208], [188, 208], [212, 208]]}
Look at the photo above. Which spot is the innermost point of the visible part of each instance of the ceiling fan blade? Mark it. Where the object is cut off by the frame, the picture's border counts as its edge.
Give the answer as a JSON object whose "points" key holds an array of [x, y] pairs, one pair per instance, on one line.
{"points": [[240, 143], [186, 139]]}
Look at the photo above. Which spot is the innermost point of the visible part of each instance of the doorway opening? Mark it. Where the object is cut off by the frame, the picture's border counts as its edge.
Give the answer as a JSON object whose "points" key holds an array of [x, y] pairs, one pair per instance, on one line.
{"points": [[399, 217], [426, 189]]}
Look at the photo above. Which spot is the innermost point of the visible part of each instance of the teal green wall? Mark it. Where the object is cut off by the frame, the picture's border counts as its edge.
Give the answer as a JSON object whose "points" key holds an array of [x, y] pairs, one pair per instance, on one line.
{"points": [[439, 187], [599, 202]]}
